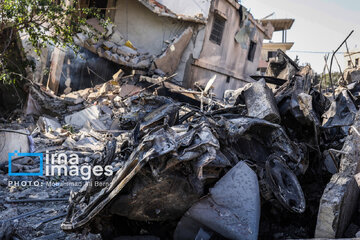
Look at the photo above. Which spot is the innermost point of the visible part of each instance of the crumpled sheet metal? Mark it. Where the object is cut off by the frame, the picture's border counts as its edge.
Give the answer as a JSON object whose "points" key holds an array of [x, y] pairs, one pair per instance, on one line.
{"points": [[158, 143], [244, 131], [342, 111], [165, 147], [282, 67], [301, 108], [260, 102]]}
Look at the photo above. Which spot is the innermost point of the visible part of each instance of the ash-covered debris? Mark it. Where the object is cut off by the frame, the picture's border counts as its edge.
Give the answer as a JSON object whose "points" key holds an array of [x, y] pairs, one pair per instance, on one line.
{"points": [[178, 163]]}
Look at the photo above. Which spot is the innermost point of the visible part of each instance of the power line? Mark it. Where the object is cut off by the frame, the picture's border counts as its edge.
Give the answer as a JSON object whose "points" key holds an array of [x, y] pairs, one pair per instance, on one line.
{"points": [[314, 52]]}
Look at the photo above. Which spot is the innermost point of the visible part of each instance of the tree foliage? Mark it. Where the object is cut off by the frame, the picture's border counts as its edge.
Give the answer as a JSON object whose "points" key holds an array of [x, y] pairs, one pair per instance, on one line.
{"points": [[44, 21], [335, 76]]}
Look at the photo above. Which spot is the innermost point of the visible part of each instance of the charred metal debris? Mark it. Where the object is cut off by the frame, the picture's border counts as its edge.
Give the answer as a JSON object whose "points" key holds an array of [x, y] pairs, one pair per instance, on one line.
{"points": [[189, 166]]}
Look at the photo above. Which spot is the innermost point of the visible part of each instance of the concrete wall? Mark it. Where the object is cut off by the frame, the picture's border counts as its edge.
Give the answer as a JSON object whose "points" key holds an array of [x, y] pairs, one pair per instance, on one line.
{"points": [[354, 54], [193, 7], [144, 28], [228, 60]]}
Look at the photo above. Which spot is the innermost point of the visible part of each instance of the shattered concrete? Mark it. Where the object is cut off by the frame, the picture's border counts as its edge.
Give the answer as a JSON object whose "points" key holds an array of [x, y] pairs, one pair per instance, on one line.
{"points": [[341, 195], [175, 153]]}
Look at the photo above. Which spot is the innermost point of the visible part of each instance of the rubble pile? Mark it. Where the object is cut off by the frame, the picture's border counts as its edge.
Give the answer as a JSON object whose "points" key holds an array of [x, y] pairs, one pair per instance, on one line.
{"points": [[185, 165], [110, 44]]}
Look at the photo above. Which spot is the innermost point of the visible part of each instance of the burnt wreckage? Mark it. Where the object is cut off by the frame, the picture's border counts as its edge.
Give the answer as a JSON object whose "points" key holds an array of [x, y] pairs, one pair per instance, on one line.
{"points": [[188, 165], [172, 152]]}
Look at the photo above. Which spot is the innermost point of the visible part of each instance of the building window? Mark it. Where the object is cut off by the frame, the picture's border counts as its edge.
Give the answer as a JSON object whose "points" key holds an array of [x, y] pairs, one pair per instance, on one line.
{"points": [[357, 62], [217, 29], [349, 63], [271, 54], [252, 50]]}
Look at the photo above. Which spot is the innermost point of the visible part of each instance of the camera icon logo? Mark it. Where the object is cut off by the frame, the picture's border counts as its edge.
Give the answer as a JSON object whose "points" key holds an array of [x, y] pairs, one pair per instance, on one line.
{"points": [[16, 154]]}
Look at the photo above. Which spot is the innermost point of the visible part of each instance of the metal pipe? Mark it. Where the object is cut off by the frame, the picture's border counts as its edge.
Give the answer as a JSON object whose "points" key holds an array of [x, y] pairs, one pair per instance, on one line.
{"points": [[332, 59]]}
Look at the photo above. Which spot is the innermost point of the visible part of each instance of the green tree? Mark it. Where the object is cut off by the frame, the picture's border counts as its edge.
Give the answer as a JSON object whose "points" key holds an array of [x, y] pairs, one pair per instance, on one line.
{"points": [[45, 21], [335, 76]]}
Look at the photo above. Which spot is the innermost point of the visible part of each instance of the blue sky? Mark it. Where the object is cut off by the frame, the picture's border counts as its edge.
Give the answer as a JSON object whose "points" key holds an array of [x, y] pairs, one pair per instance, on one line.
{"points": [[320, 25]]}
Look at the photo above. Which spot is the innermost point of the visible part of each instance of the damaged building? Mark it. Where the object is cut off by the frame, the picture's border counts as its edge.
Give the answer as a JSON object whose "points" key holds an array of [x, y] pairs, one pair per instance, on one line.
{"points": [[179, 138], [208, 38]]}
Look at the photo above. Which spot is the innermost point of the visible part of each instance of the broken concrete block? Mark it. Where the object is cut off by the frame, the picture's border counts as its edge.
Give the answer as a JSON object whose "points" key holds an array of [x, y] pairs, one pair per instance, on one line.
{"points": [[88, 144], [93, 96], [126, 51], [79, 119], [117, 38], [143, 64], [260, 102], [108, 55], [115, 57], [74, 98], [93, 47], [101, 52], [114, 49], [339, 200], [234, 214], [108, 45], [134, 60], [48, 124], [109, 29], [169, 60], [336, 204], [11, 141], [122, 60]]}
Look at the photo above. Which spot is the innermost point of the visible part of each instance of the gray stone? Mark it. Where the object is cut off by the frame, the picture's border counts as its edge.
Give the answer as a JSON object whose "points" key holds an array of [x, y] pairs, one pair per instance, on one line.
{"points": [[143, 63], [101, 52], [108, 55], [108, 45], [117, 38], [48, 124], [106, 109], [88, 144], [74, 98], [340, 197], [126, 51], [79, 119], [115, 57], [232, 208]]}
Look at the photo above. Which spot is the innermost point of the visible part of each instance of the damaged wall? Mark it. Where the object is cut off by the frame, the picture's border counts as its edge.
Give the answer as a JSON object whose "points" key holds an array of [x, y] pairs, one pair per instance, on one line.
{"points": [[192, 9], [145, 29], [229, 59]]}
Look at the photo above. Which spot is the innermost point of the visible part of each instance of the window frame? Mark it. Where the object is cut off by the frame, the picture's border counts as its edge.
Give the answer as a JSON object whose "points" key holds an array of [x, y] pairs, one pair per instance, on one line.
{"points": [[216, 34]]}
